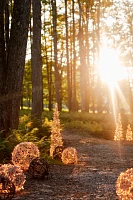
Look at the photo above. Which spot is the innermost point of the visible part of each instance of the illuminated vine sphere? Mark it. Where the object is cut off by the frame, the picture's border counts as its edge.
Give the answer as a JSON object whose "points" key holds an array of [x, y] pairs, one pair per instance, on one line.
{"points": [[15, 175], [23, 153], [69, 156], [7, 188], [39, 168], [124, 185]]}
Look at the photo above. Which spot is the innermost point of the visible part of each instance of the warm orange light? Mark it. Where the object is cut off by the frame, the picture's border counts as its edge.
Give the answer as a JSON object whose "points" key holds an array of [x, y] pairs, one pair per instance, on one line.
{"points": [[129, 134], [15, 174], [23, 154], [110, 68], [56, 136], [124, 185], [69, 156]]}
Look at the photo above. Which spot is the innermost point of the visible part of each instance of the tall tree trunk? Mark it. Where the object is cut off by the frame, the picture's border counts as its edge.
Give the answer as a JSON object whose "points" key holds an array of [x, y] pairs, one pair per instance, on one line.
{"points": [[84, 72], [48, 78], [67, 57], [99, 95], [57, 80], [93, 67], [7, 26], [74, 100], [2, 45], [12, 85], [2, 63], [48, 68], [51, 79], [87, 51], [37, 64]]}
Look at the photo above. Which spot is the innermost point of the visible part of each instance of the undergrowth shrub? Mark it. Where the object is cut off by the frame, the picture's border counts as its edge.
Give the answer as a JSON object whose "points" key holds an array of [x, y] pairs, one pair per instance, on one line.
{"points": [[23, 121], [7, 144], [99, 125], [46, 127], [24, 134]]}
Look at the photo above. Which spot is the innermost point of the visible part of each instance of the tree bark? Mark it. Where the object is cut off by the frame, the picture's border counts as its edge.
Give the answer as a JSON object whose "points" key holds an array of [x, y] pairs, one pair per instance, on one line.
{"points": [[13, 69], [99, 95], [84, 72], [37, 93], [2, 62], [56, 71], [74, 100], [67, 57]]}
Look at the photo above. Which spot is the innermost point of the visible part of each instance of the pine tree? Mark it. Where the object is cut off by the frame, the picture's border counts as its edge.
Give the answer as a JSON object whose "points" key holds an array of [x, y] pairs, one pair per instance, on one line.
{"points": [[56, 137], [119, 130], [129, 135]]}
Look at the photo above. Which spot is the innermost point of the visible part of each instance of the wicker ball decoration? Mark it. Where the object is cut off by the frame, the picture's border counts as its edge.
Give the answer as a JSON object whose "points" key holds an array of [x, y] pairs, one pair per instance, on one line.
{"points": [[7, 188], [14, 174], [124, 185], [39, 168], [57, 154], [69, 156], [23, 153]]}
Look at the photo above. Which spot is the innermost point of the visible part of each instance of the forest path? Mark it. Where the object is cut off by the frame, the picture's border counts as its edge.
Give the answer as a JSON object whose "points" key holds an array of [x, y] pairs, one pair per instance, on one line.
{"points": [[94, 177]]}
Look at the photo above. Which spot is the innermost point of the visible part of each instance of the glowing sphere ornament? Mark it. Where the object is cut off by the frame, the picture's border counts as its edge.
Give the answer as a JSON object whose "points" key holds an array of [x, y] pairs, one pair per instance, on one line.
{"points": [[23, 154], [7, 188], [39, 168], [15, 174], [57, 154], [124, 185], [69, 156]]}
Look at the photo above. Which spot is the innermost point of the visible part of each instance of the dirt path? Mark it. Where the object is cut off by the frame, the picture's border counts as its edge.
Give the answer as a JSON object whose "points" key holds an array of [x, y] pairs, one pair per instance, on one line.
{"points": [[94, 177]]}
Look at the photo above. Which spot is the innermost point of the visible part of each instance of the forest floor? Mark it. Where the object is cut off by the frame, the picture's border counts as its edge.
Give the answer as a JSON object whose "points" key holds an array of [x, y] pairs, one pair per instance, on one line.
{"points": [[100, 163]]}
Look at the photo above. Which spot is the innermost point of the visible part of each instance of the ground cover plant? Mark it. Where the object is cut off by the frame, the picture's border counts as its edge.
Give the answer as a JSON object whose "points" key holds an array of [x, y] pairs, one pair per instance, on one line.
{"points": [[98, 125]]}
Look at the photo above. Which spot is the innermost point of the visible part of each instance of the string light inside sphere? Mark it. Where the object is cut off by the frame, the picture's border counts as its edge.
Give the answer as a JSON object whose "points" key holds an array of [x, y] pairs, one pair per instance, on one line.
{"points": [[23, 154], [7, 188], [15, 174], [69, 156], [124, 185]]}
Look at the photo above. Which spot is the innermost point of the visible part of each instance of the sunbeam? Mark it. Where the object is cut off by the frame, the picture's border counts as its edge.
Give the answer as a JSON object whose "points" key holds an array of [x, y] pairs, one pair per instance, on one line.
{"points": [[112, 73], [113, 101], [122, 98]]}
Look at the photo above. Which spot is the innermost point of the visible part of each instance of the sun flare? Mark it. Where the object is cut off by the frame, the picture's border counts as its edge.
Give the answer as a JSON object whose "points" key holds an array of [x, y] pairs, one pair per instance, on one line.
{"points": [[110, 68], [111, 72]]}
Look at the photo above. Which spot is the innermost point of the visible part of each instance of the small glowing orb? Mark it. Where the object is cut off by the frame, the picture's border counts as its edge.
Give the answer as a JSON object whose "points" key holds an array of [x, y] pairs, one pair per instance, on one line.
{"points": [[23, 154], [39, 168], [14, 174], [7, 188], [124, 185], [69, 156]]}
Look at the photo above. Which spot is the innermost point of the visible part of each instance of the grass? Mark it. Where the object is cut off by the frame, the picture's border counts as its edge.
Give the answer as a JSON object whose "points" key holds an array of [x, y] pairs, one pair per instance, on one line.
{"points": [[98, 125]]}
